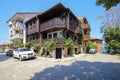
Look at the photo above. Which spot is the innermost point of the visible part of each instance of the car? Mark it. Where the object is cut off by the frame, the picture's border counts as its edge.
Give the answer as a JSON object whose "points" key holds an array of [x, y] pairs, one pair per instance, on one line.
{"points": [[23, 53], [9, 53], [2, 50], [92, 51]]}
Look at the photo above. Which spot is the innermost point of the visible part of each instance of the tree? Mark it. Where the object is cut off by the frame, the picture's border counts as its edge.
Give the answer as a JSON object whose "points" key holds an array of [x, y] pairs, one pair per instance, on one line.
{"points": [[50, 45], [107, 3], [10, 45], [69, 43], [28, 45], [111, 28], [110, 19], [112, 38], [18, 43], [37, 48], [91, 45]]}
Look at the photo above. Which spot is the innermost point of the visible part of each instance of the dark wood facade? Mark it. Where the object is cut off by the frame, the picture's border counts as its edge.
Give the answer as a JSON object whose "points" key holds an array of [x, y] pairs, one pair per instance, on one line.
{"points": [[57, 22], [54, 19]]}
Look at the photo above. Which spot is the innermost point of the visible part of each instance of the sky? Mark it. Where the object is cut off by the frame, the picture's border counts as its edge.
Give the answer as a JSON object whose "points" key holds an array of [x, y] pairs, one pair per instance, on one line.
{"points": [[86, 8]]}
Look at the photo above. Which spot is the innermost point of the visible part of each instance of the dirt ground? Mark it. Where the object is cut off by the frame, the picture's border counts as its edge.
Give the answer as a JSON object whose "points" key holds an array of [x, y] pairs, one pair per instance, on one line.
{"points": [[80, 67]]}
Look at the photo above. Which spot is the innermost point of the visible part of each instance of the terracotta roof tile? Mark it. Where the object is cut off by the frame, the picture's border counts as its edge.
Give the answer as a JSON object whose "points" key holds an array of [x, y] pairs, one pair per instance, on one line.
{"points": [[92, 38]]}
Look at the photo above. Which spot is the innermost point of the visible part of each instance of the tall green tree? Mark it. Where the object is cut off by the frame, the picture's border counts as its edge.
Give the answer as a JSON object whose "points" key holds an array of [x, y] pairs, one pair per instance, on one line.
{"points": [[91, 45], [111, 28], [112, 38], [107, 3]]}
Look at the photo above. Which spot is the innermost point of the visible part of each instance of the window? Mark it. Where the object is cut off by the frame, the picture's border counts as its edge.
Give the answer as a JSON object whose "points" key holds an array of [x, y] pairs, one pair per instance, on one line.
{"points": [[21, 21], [49, 35], [75, 37], [16, 49], [16, 31], [34, 22], [68, 35], [55, 35], [37, 36], [26, 24], [30, 24], [33, 37], [23, 49], [17, 21]]}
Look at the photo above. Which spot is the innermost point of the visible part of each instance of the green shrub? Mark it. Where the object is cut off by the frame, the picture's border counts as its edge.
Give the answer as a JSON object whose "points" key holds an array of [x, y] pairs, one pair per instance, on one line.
{"points": [[37, 48], [50, 45], [69, 43], [18, 43], [28, 45]]}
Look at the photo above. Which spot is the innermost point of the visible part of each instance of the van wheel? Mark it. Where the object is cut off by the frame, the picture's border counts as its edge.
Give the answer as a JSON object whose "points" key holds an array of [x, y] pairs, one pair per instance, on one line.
{"points": [[20, 58]]}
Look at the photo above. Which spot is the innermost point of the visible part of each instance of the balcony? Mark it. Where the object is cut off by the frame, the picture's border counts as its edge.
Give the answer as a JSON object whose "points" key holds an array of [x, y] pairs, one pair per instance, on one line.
{"points": [[34, 42], [86, 37], [53, 23], [58, 40], [85, 26], [32, 29], [17, 26], [16, 36]]}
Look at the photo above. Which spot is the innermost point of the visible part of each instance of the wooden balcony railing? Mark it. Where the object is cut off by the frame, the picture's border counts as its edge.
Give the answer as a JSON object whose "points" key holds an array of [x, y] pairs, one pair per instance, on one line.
{"points": [[58, 40], [53, 23], [34, 42], [31, 30], [85, 26]]}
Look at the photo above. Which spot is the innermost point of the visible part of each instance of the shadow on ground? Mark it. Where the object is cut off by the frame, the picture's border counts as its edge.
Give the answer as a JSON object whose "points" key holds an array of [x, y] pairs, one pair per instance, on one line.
{"points": [[3, 57], [81, 70]]}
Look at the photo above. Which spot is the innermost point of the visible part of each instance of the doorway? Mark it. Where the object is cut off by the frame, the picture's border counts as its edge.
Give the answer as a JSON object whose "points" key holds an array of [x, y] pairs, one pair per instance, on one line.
{"points": [[58, 53]]}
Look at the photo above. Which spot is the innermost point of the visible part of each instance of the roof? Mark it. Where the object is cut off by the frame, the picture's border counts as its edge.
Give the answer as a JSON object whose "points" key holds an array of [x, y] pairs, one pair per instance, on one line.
{"points": [[24, 15], [59, 5], [84, 22], [80, 18], [4, 44], [92, 38], [52, 11]]}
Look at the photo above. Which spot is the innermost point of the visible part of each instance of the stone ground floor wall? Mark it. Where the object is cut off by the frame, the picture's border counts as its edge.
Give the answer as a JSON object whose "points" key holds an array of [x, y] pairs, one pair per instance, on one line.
{"points": [[59, 52]]}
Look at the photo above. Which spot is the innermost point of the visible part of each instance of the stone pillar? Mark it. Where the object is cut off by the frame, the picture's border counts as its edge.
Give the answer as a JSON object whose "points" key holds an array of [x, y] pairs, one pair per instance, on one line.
{"points": [[65, 52], [24, 35]]}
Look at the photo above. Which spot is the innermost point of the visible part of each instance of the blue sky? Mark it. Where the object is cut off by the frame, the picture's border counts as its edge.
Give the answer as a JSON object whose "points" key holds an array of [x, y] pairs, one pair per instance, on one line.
{"points": [[86, 8]]}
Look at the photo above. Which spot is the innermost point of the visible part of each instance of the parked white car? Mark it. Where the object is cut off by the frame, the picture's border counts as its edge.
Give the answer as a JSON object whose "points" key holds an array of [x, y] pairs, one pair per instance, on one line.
{"points": [[23, 53], [92, 51]]}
